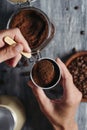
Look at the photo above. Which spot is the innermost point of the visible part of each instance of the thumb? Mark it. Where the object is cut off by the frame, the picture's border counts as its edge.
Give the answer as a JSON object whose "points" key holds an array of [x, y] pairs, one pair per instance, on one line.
{"points": [[44, 102], [10, 52], [38, 92]]}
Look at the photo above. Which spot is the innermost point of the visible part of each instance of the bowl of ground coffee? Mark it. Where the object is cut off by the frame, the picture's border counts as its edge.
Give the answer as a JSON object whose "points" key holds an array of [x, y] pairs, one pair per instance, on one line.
{"points": [[45, 73], [34, 25], [77, 65]]}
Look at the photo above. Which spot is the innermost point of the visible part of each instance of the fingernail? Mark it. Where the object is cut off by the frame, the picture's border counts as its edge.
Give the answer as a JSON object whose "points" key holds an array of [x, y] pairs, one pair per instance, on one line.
{"points": [[58, 59], [29, 49], [18, 48]]}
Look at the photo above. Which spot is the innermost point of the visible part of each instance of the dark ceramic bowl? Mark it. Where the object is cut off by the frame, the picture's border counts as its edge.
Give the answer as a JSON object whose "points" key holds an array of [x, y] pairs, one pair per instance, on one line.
{"points": [[79, 71]]}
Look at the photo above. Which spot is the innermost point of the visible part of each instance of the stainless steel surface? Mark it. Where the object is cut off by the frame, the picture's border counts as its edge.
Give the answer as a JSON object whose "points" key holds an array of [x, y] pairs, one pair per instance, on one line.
{"points": [[70, 20]]}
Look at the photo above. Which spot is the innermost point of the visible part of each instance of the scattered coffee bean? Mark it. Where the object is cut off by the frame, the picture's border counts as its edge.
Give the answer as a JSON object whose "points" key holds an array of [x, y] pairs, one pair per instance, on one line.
{"points": [[76, 7], [67, 8], [82, 32]]}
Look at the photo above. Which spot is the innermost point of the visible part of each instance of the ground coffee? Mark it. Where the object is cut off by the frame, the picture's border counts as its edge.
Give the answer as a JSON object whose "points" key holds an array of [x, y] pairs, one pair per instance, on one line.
{"points": [[33, 25], [45, 73]]}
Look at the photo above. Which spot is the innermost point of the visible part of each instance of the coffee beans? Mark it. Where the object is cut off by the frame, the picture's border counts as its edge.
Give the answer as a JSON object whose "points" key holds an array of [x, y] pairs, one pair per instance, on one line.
{"points": [[78, 69]]}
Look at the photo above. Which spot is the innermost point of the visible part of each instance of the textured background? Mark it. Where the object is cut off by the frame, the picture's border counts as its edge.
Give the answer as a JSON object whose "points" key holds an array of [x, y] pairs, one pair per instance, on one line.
{"points": [[70, 20]]}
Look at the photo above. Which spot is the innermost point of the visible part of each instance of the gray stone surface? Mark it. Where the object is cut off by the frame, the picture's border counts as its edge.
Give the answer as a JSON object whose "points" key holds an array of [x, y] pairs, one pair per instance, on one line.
{"points": [[69, 18]]}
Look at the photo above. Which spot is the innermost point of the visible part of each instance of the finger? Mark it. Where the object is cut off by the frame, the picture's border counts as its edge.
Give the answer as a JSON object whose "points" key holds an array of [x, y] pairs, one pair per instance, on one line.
{"points": [[3, 33], [1, 43], [71, 93], [16, 35], [67, 81], [20, 39], [64, 71], [42, 99], [10, 52], [14, 61], [38, 92]]}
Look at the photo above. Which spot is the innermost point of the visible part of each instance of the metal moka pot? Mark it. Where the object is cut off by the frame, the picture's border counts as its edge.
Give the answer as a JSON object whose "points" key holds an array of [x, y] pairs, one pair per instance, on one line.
{"points": [[12, 114]]}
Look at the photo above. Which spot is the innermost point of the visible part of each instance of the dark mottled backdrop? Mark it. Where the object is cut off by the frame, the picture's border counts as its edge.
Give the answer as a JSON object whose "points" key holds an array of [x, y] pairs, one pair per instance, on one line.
{"points": [[70, 20]]}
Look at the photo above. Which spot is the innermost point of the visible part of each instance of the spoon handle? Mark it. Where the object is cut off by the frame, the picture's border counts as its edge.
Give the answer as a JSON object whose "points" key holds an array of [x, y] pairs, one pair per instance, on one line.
{"points": [[10, 42]]}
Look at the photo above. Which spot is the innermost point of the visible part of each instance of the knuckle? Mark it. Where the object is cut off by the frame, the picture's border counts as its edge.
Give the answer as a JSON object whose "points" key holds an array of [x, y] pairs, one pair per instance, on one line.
{"points": [[2, 44], [70, 102], [10, 51], [5, 51], [69, 77], [18, 30], [73, 101]]}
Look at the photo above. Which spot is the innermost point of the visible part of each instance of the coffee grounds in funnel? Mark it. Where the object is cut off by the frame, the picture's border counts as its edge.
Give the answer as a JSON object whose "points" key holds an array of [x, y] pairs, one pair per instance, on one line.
{"points": [[33, 25], [43, 73]]}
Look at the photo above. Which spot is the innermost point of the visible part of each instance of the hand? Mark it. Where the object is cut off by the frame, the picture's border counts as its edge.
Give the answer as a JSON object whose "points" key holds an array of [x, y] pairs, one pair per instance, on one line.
{"points": [[61, 112], [12, 53]]}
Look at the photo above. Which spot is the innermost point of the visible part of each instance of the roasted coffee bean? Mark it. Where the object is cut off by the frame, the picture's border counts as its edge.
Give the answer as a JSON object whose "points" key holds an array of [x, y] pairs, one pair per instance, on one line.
{"points": [[78, 69], [76, 7]]}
